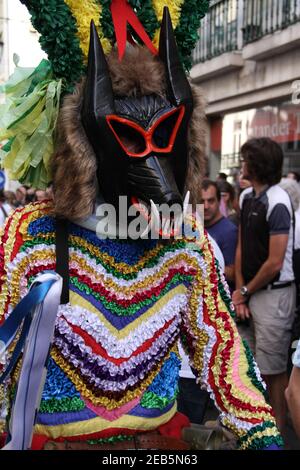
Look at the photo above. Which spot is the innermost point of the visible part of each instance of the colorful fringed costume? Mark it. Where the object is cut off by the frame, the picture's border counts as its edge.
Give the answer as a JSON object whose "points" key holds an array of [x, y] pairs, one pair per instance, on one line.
{"points": [[133, 128], [114, 362]]}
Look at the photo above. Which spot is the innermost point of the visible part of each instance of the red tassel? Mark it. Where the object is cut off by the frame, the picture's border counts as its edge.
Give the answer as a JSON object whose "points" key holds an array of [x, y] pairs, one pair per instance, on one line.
{"points": [[122, 13]]}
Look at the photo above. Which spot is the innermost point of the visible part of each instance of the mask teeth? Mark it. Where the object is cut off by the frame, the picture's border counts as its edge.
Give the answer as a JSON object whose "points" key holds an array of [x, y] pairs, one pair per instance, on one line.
{"points": [[146, 231], [155, 213], [186, 203], [154, 219]]}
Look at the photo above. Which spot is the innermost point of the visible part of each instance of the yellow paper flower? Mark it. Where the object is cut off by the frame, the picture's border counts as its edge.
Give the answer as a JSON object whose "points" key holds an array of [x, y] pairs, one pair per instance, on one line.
{"points": [[84, 13], [175, 10]]}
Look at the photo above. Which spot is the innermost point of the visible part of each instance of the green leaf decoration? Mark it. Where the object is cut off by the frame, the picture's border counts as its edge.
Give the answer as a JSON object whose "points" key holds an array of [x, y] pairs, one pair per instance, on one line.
{"points": [[27, 121], [29, 115]]}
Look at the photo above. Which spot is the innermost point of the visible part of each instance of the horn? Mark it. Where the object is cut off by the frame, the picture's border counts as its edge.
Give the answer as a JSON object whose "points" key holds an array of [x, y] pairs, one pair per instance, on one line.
{"points": [[179, 89], [98, 95]]}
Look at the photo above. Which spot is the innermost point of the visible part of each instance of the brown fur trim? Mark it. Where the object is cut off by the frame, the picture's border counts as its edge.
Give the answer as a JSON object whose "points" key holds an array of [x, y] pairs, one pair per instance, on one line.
{"points": [[139, 73], [197, 147], [74, 164]]}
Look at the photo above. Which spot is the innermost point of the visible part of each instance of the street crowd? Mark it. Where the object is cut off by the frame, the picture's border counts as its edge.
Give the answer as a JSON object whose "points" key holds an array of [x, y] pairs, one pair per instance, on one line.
{"points": [[256, 224]]}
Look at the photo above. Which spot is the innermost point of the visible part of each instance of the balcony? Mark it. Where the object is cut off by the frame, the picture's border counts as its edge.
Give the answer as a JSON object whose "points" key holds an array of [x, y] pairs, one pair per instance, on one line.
{"points": [[263, 17], [230, 161], [218, 32], [238, 30], [219, 41]]}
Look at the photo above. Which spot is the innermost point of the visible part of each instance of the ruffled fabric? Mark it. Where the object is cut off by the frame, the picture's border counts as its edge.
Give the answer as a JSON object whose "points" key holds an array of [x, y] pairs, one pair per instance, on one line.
{"points": [[114, 362]]}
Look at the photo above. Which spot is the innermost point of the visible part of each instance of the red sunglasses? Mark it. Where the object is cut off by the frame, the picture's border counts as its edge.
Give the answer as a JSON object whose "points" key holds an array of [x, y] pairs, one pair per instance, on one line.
{"points": [[138, 142]]}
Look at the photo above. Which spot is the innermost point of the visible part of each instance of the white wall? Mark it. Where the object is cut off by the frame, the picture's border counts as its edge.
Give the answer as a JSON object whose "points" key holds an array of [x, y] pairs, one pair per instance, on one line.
{"points": [[19, 37]]}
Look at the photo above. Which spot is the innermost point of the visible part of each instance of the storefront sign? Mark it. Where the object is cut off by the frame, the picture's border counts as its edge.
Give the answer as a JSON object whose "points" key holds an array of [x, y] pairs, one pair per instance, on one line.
{"points": [[281, 124]]}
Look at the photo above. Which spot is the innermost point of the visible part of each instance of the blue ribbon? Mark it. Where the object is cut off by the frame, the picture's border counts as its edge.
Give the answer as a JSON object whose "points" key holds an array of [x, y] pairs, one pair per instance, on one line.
{"points": [[22, 311]]}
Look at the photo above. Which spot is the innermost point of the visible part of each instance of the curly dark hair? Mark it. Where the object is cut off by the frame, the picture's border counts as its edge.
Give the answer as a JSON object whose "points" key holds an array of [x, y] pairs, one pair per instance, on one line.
{"points": [[264, 158]]}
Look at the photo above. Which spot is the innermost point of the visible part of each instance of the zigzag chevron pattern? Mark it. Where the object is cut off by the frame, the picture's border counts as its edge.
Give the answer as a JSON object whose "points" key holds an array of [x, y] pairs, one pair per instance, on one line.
{"points": [[114, 362]]}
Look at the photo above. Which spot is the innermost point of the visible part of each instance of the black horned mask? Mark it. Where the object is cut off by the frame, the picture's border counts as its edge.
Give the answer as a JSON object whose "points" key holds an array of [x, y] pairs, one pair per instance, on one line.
{"points": [[140, 142]]}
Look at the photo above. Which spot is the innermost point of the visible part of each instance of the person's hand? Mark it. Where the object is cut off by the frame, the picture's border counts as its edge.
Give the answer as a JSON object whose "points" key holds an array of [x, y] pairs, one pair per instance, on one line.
{"points": [[242, 311], [238, 298]]}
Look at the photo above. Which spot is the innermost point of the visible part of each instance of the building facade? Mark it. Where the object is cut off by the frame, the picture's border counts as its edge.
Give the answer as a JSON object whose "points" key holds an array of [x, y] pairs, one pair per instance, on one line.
{"points": [[247, 61]]}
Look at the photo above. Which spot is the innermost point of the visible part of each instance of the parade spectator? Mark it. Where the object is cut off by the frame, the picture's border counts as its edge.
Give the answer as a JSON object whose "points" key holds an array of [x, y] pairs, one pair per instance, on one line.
{"points": [[10, 198], [40, 195], [222, 230], [49, 192], [30, 196], [5, 208], [292, 393], [294, 175], [21, 192], [244, 183], [222, 177], [293, 189], [264, 271], [229, 201]]}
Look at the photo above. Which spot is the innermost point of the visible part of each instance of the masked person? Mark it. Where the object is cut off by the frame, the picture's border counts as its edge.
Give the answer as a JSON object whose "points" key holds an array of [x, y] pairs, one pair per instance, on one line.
{"points": [[132, 128]]}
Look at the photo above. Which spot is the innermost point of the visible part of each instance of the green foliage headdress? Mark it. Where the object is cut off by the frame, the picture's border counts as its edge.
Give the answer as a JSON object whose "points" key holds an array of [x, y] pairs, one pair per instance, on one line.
{"points": [[28, 118]]}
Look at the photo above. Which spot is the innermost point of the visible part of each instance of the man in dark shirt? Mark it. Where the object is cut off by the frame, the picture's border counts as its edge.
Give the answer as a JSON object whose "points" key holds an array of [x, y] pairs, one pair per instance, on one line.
{"points": [[219, 228], [264, 273]]}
